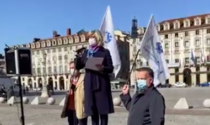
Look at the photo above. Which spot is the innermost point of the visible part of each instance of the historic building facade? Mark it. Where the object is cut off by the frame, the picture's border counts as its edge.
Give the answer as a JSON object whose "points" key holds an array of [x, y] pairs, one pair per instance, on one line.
{"points": [[2, 65], [179, 37], [51, 58]]}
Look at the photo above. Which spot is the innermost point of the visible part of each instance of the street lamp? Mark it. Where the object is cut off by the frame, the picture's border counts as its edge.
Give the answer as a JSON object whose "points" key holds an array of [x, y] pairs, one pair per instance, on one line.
{"points": [[45, 91]]}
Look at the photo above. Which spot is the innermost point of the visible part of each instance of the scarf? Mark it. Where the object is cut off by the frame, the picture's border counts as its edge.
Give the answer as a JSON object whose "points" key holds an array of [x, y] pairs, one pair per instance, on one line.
{"points": [[92, 50]]}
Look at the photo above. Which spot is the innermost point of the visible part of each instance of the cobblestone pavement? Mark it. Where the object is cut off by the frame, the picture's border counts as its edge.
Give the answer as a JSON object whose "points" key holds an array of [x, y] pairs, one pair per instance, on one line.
{"points": [[37, 115]]}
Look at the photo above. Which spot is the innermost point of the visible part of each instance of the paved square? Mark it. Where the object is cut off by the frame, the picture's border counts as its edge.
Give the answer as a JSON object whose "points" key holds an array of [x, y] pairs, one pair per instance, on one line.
{"points": [[50, 115]]}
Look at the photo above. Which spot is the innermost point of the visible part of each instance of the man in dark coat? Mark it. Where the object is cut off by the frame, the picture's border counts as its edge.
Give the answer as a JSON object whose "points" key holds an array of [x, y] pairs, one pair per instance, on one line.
{"points": [[97, 87], [147, 107]]}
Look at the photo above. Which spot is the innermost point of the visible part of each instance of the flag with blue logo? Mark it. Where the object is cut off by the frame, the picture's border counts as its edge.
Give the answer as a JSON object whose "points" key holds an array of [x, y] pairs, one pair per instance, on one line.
{"points": [[192, 57], [151, 49], [107, 30]]}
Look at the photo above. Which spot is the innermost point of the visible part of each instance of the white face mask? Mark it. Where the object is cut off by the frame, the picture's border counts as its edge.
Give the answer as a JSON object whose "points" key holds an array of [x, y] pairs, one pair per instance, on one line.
{"points": [[92, 41], [71, 71]]}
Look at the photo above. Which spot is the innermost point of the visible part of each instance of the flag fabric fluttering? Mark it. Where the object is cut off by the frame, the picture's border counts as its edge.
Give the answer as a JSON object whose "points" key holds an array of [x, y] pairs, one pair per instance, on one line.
{"points": [[107, 30], [181, 62], [192, 57], [152, 51], [203, 59]]}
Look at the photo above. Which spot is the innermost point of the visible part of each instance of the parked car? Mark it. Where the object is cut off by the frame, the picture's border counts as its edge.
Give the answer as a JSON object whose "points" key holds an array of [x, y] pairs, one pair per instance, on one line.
{"points": [[205, 84], [179, 85], [164, 85]]}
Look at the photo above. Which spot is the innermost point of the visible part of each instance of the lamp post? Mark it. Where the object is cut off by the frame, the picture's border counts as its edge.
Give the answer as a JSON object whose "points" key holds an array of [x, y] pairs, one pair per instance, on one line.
{"points": [[45, 91]]}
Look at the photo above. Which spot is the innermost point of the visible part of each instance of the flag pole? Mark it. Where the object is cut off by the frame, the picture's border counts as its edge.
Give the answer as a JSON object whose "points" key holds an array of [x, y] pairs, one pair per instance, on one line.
{"points": [[134, 62], [133, 65]]}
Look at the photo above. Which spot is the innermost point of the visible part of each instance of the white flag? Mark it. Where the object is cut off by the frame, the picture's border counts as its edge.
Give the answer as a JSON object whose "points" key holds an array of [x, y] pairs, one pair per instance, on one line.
{"points": [[152, 51], [203, 60], [192, 57], [107, 30]]}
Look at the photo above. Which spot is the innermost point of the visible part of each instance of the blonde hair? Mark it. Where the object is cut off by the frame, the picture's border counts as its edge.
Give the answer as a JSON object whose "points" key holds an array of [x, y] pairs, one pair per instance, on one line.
{"points": [[98, 36]]}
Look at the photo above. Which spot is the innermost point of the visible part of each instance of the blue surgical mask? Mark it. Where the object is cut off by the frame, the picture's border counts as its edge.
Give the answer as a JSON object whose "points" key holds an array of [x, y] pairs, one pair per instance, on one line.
{"points": [[141, 85]]}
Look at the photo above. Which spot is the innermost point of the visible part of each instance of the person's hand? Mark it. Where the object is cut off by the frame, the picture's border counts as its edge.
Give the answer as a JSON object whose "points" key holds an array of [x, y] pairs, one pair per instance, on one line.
{"points": [[125, 89], [100, 67]]}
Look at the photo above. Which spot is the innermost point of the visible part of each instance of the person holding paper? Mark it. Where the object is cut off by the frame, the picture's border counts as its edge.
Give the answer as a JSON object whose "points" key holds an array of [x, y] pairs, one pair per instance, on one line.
{"points": [[98, 65]]}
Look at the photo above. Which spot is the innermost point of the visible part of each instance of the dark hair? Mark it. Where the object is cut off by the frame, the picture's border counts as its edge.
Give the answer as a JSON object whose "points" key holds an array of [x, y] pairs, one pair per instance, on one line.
{"points": [[147, 69]]}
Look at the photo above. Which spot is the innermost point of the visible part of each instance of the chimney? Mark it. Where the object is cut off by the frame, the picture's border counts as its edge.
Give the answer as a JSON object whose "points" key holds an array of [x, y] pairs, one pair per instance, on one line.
{"points": [[55, 34], [125, 39], [118, 37], [36, 39], [68, 32]]}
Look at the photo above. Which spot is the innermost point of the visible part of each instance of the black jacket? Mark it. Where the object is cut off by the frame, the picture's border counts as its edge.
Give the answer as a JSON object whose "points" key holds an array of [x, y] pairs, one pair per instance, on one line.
{"points": [[146, 108]]}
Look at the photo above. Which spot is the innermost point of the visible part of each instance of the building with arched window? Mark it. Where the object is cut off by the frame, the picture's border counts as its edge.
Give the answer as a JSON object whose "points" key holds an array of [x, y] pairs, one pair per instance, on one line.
{"points": [[51, 58], [179, 37]]}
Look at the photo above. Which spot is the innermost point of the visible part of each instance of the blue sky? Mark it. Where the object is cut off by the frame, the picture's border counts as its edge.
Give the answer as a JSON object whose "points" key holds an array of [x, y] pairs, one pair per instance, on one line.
{"points": [[22, 20]]}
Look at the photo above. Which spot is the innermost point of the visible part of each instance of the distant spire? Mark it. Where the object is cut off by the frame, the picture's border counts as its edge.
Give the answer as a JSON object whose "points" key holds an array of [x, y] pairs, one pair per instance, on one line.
{"points": [[134, 28]]}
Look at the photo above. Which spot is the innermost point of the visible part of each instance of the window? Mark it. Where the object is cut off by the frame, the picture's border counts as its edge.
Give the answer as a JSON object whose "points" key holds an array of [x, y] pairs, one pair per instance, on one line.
{"points": [[177, 75], [65, 49], [197, 22], [60, 69], [176, 25], [33, 71], [38, 70], [54, 42], [65, 57], [186, 24], [166, 27], [60, 57], [176, 35], [44, 70], [48, 43], [166, 36], [208, 41], [66, 69], [141, 63], [49, 70], [59, 49], [208, 20], [55, 69], [208, 58], [167, 61], [186, 33], [197, 42], [197, 32], [176, 60], [186, 60], [186, 44], [176, 44], [166, 45], [208, 31], [54, 50], [198, 59]]}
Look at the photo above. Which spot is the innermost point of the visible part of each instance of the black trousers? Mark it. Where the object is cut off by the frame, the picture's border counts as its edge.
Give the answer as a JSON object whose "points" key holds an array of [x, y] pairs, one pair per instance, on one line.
{"points": [[96, 120], [72, 119]]}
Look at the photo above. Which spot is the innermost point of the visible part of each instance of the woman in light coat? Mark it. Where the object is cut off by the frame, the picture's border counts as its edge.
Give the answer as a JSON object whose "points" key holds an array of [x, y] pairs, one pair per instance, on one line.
{"points": [[74, 104]]}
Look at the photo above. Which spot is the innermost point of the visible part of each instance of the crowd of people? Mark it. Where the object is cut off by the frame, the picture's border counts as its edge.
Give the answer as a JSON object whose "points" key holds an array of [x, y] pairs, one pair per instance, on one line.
{"points": [[90, 93]]}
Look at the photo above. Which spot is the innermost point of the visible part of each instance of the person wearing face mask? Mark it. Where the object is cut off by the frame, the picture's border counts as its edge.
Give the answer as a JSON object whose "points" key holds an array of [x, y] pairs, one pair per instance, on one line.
{"points": [[74, 104], [97, 86], [147, 106]]}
